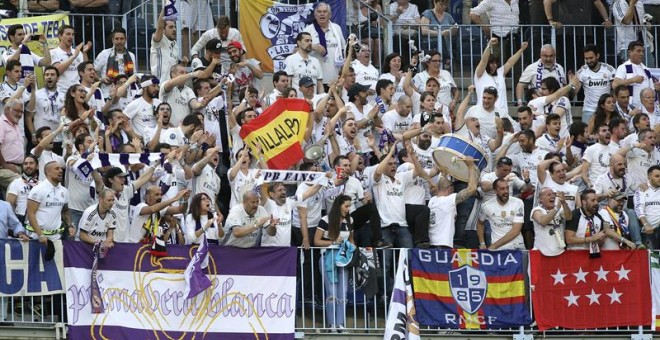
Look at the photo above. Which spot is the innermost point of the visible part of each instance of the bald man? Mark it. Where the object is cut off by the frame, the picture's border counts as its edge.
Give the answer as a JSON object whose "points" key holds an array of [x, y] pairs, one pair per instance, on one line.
{"points": [[47, 209], [545, 67], [615, 182]]}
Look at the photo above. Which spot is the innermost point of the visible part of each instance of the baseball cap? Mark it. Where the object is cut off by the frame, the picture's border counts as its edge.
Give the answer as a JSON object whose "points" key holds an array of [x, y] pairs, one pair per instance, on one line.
{"points": [[356, 89], [115, 171], [235, 44], [305, 81], [214, 45]]}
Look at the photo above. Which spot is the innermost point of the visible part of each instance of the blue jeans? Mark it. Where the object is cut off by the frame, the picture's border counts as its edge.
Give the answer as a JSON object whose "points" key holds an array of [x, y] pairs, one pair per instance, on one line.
{"points": [[633, 224], [400, 237], [586, 116], [335, 293], [463, 212], [76, 215]]}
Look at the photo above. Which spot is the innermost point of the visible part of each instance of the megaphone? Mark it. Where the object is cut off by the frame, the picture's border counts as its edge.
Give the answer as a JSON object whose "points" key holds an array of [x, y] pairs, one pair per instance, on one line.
{"points": [[314, 152]]}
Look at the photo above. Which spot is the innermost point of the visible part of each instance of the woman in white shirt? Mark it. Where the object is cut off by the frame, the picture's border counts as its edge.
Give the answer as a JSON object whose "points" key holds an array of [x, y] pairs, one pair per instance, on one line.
{"points": [[201, 220], [331, 232], [241, 176], [392, 71]]}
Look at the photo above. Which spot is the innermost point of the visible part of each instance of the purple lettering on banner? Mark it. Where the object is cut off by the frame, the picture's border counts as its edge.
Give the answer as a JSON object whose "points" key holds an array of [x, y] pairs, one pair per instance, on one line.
{"points": [[157, 293]]}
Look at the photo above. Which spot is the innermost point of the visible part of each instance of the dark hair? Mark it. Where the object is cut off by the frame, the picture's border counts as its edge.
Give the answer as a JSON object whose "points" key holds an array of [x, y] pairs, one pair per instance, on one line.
{"points": [[251, 90], [161, 146], [41, 130], [621, 88], [223, 21], [62, 28], [498, 181], [382, 84], [288, 90], [161, 104], [491, 90], [433, 53], [197, 84], [653, 168], [34, 158], [118, 29], [591, 48], [524, 108], [552, 117], [615, 122], [338, 160], [507, 125], [335, 218], [80, 140], [634, 44], [195, 207], [305, 166], [600, 117], [583, 195], [81, 66], [11, 31], [11, 64], [388, 59], [577, 128], [551, 155], [191, 120], [277, 75], [552, 84], [301, 35], [552, 166], [70, 104], [50, 67], [637, 118], [402, 153], [424, 95], [529, 134]]}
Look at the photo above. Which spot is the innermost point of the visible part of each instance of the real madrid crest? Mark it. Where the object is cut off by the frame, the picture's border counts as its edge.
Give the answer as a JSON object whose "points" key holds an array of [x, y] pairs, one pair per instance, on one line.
{"points": [[503, 213]]}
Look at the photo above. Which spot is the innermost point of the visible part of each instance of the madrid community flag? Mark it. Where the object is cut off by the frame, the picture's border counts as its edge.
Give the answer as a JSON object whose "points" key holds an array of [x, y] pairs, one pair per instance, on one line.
{"points": [[401, 323], [280, 130], [573, 290], [655, 279], [277, 26], [469, 289]]}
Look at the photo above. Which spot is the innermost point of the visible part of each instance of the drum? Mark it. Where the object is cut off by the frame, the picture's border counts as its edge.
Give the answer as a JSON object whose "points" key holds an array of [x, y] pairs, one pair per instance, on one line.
{"points": [[450, 152]]}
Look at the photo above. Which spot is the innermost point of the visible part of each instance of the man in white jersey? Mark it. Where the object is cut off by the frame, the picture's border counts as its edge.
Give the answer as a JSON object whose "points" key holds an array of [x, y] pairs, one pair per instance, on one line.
{"points": [[76, 182], [505, 215], [533, 74], [329, 50], [149, 216], [634, 74], [552, 174], [66, 58], [164, 53], [280, 82], [443, 208], [140, 112], [640, 157], [596, 79], [647, 207], [115, 179], [363, 112], [205, 178], [596, 158], [246, 223], [11, 88], [399, 119], [487, 113], [47, 103], [18, 50], [114, 61], [549, 219], [181, 97], [650, 106], [47, 209], [280, 207], [19, 189], [301, 64], [44, 149], [98, 222], [618, 233], [586, 228]]}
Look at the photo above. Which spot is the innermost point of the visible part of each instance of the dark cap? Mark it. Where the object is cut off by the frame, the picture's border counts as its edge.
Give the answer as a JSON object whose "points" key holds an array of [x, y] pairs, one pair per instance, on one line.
{"points": [[305, 81], [115, 171], [355, 90], [50, 251], [214, 45]]}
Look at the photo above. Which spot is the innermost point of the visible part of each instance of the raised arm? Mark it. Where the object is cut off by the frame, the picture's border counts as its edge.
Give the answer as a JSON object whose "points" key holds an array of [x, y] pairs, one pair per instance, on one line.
{"points": [[514, 58], [459, 119], [483, 63]]}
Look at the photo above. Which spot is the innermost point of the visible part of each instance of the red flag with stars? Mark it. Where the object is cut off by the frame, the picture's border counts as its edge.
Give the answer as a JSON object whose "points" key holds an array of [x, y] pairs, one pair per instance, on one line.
{"points": [[573, 290]]}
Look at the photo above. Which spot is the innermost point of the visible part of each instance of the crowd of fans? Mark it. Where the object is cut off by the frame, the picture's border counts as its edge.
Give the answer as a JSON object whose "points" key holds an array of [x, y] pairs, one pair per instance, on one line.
{"points": [[550, 182]]}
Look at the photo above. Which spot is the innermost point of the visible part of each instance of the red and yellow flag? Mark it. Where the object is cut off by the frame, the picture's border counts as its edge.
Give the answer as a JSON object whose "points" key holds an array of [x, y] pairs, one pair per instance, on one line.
{"points": [[280, 130]]}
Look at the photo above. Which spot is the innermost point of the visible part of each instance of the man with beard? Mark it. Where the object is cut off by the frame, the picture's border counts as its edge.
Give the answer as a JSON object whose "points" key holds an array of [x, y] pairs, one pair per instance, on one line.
{"points": [[301, 64], [586, 227], [280, 207], [47, 103], [280, 82], [98, 222], [19, 189], [646, 207], [77, 184], [487, 114], [549, 219], [365, 114], [66, 58], [164, 54], [596, 78], [557, 181], [210, 60], [152, 136], [178, 136], [245, 70], [503, 169], [146, 221], [618, 234], [528, 120], [140, 111], [206, 179], [619, 129], [246, 223], [614, 181], [115, 60], [344, 144], [533, 74], [44, 149], [623, 106], [634, 74], [505, 215], [596, 158], [47, 208]]}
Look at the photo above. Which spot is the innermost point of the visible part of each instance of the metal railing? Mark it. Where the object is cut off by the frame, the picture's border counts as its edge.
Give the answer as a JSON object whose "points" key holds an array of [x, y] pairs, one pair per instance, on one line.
{"points": [[362, 314]]}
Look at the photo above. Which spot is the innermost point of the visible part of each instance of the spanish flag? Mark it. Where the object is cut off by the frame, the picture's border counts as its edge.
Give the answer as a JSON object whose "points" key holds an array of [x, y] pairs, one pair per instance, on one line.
{"points": [[280, 130], [469, 289]]}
